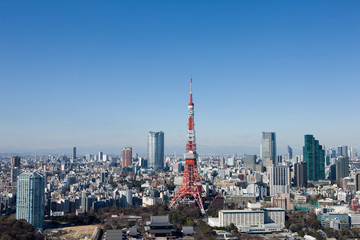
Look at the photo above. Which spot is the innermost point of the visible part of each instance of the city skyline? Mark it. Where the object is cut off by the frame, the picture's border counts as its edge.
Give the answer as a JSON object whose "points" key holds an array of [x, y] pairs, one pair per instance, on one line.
{"points": [[101, 76]]}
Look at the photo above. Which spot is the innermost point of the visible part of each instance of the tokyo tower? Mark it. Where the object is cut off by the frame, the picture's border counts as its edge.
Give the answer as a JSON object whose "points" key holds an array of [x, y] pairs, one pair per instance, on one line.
{"points": [[191, 181]]}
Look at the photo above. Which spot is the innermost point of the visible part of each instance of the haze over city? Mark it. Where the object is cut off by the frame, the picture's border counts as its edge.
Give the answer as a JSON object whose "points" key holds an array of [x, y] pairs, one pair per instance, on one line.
{"points": [[100, 76]]}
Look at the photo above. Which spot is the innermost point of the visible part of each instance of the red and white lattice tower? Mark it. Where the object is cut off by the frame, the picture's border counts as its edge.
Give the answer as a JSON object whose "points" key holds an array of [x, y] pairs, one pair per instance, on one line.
{"points": [[191, 181]]}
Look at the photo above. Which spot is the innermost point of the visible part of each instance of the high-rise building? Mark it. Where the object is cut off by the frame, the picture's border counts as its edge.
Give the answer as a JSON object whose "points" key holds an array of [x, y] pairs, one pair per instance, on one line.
{"points": [[357, 182], [250, 161], [342, 151], [342, 168], [268, 149], [353, 153], [100, 156], [126, 157], [73, 154], [15, 170], [279, 180], [314, 156], [155, 146], [289, 152], [345, 151], [15, 162], [332, 174], [300, 174], [104, 176], [30, 198], [143, 162]]}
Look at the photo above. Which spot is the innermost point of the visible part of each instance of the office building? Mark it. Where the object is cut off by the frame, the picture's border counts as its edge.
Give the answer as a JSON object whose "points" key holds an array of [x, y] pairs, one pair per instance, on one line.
{"points": [[104, 177], [339, 151], [143, 162], [357, 182], [300, 174], [332, 174], [252, 217], [250, 162], [15, 170], [15, 162], [279, 180], [30, 198], [73, 157], [155, 146], [100, 156], [268, 148], [314, 156], [345, 151], [126, 157], [352, 153], [342, 168], [289, 152]]}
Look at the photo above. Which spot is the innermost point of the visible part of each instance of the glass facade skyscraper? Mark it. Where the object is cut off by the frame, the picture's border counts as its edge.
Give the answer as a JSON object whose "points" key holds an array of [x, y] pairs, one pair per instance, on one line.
{"points": [[314, 156], [268, 148], [30, 198], [155, 146]]}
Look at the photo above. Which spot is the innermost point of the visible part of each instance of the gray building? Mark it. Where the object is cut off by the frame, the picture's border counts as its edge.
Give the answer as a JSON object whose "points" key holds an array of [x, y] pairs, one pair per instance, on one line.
{"points": [[73, 157], [30, 198], [342, 168], [289, 152], [268, 148], [250, 161], [279, 180], [155, 146]]}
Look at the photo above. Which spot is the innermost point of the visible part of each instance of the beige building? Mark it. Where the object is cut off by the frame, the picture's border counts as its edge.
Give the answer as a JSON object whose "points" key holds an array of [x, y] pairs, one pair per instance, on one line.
{"points": [[260, 217]]}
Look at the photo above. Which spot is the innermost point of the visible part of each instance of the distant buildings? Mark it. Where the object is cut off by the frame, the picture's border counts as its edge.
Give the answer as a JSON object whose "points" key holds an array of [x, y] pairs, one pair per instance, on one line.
{"points": [[155, 146], [126, 157], [30, 198], [100, 156], [15, 162], [279, 180], [314, 156], [268, 148], [289, 152], [73, 157]]}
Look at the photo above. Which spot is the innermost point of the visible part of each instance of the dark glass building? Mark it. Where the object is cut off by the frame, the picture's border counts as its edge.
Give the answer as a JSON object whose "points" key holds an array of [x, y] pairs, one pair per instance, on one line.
{"points": [[314, 156], [300, 174]]}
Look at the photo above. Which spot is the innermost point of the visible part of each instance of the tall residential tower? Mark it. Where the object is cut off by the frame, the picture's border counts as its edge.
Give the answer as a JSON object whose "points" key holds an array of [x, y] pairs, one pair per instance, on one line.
{"points": [[30, 198], [126, 157]]}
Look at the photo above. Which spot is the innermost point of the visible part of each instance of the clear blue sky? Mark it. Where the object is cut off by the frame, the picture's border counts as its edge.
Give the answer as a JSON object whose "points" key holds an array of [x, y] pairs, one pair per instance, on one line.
{"points": [[100, 74]]}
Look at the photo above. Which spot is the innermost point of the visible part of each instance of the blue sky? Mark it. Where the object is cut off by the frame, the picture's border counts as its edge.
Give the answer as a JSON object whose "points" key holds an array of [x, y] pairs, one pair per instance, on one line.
{"points": [[100, 74]]}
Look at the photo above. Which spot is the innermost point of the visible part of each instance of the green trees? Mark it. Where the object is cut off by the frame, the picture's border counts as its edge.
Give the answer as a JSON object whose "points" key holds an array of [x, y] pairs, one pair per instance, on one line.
{"points": [[11, 228]]}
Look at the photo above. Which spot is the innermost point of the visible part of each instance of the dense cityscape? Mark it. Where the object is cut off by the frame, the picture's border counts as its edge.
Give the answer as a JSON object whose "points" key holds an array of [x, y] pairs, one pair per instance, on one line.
{"points": [[130, 196], [203, 120]]}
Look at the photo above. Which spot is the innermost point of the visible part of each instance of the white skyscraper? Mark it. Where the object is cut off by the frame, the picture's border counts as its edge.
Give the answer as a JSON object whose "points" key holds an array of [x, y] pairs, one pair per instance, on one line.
{"points": [[155, 146]]}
